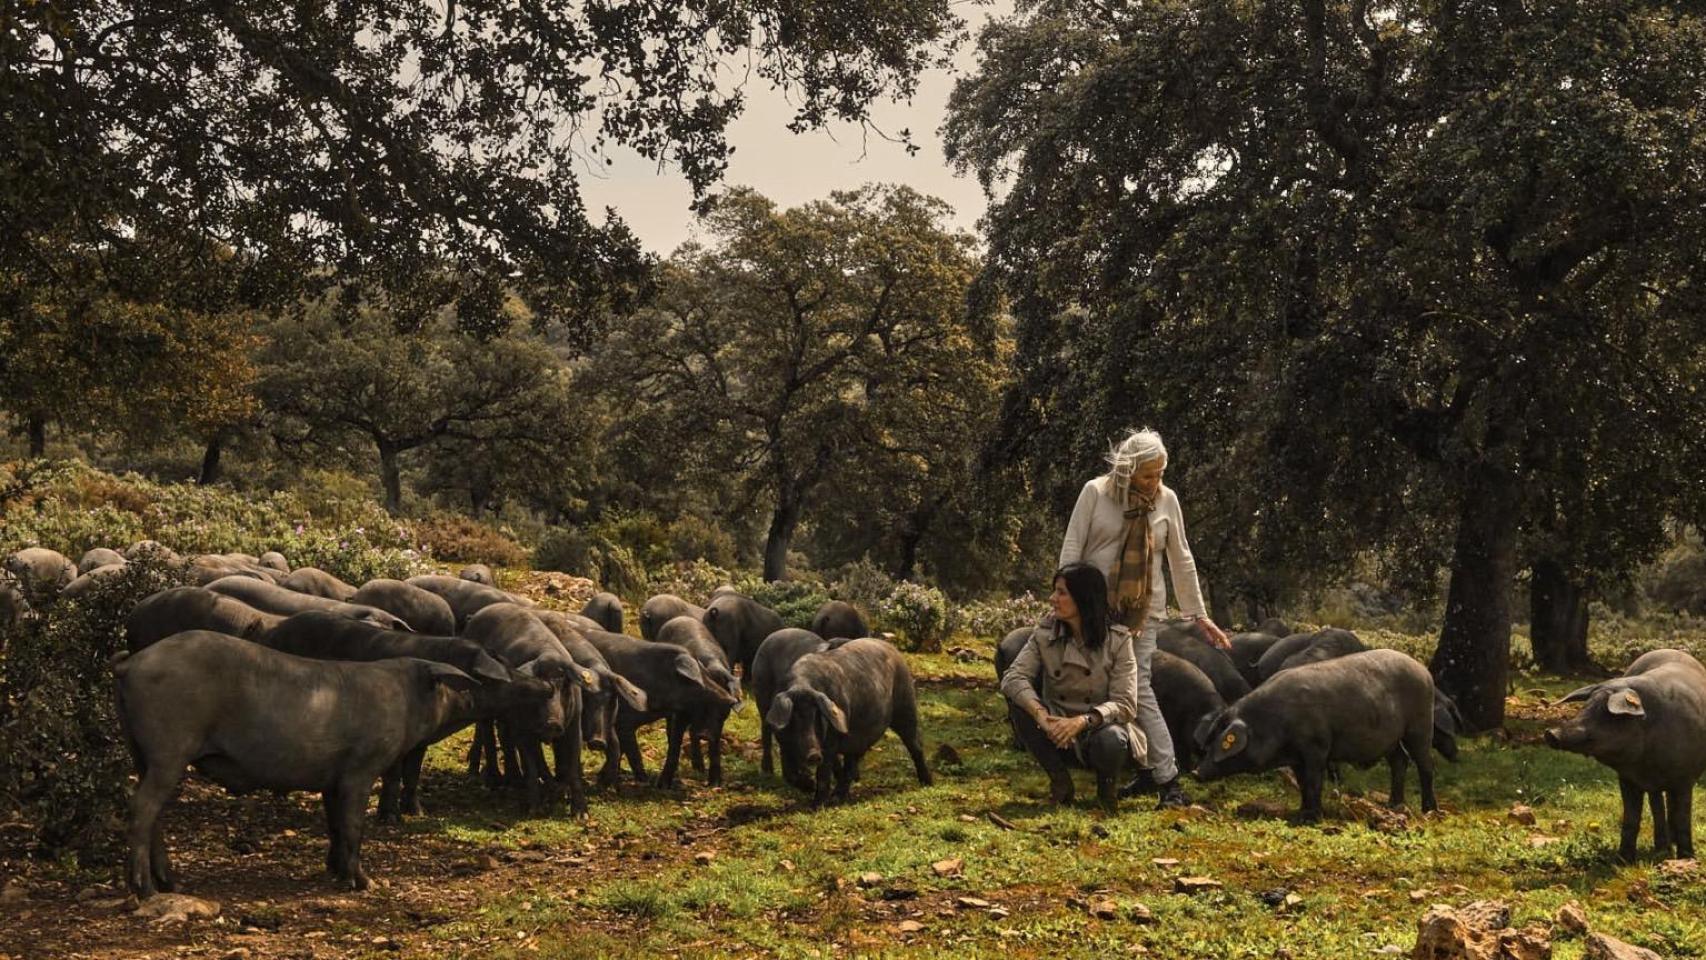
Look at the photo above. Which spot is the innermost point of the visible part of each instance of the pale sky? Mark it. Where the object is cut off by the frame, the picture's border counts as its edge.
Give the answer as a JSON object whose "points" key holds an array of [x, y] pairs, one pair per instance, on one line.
{"points": [[791, 169]]}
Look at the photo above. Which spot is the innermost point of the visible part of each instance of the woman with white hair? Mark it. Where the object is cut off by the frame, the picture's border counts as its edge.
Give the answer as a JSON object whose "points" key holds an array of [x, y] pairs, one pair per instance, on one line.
{"points": [[1123, 523]]}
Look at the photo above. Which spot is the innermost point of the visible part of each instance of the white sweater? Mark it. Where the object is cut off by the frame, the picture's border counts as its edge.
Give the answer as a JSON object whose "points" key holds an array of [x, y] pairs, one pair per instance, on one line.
{"points": [[1093, 536]]}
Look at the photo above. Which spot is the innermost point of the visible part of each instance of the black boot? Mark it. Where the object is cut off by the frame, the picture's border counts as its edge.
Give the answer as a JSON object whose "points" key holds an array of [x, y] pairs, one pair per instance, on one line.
{"points": [[1172, 795], [1144, 782]]}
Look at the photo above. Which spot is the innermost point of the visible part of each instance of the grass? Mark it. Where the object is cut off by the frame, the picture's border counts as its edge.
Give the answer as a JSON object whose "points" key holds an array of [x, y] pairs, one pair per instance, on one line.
{"points": [[784, 880]]}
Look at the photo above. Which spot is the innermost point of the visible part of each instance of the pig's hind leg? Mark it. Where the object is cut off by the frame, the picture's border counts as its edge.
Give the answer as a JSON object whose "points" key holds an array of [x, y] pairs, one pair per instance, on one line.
{"points": [[1661, 824], [1417, 744], [1682, 818], [904, 722], [150, 869]]}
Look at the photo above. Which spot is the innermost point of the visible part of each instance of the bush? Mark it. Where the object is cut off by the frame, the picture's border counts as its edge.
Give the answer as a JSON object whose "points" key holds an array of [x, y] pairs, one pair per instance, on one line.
{"points": [[565, 550], [994, 619], [63, 767], [919, 615], [795, 601], [457, 539], [692, 537], [691, 580], [863, 583]]}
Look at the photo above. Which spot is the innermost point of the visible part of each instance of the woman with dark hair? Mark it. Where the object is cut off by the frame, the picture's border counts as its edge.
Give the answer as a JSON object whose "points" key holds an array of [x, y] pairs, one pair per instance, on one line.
{"points": [[1072, 690]]}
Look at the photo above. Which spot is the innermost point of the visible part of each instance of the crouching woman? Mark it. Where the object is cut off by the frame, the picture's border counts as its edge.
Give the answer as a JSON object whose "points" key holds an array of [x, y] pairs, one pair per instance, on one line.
{"points": [[1073, 689]]}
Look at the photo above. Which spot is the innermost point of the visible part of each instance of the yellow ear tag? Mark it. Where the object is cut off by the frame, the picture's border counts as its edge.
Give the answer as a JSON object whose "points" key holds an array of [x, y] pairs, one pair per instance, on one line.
{"points": [[586, 677], [1227, 741], [1631, 698]]}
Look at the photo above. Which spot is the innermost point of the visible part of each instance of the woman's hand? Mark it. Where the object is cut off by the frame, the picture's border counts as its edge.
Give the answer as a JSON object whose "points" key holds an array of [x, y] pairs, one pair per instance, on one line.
{"points": [[1063, 730], [1213, 635]]}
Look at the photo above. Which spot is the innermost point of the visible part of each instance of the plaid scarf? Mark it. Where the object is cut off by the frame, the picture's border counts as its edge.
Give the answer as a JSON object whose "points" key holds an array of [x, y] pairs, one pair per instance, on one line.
{"points": [[1129, 584]]}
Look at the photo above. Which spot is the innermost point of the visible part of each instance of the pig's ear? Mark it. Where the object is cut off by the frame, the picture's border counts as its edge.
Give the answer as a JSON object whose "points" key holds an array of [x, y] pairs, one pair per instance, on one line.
{"points": [[1232, 740], [781, 708], [631, 695], [586, 679], [689, 668], [486, 668], [837, 718], [1578, 695], [1626, 703], [1204, 729], [449, 676]]}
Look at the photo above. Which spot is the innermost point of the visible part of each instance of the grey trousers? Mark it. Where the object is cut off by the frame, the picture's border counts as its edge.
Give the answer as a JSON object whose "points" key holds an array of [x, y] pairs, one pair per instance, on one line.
{"points": [[1162, 764]]}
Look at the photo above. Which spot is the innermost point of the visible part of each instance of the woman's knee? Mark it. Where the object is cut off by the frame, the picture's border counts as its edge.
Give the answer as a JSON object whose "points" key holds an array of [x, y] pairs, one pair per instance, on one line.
{"points": [[1108, 749]]}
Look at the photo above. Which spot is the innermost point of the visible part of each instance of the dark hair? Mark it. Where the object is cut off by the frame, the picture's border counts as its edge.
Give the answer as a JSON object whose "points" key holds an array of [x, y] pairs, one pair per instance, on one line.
{"points": [[1088, 587]]}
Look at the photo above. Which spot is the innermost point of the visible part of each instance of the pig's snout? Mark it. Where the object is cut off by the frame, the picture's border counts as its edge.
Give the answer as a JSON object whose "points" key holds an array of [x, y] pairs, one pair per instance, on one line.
{"points": [[552, 729], [814, 755], [1554, 738], [595, 741], [1566, 738]]}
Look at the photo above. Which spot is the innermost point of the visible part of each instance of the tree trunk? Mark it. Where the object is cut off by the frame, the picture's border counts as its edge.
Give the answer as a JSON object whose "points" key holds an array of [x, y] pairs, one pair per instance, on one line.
{"points": [[1473, 658], [210, 461], [1558, 620], [36, 425], [908, 562], [390, 477], [783, 521]]}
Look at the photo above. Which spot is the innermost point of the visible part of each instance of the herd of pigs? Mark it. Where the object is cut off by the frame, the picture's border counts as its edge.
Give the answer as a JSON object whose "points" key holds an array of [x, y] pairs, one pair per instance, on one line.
{"points": [[264, 677]]}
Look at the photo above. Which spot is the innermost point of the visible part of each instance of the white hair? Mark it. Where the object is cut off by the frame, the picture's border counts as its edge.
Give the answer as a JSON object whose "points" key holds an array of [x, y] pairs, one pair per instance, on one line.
{"points": [[1138, 448]]}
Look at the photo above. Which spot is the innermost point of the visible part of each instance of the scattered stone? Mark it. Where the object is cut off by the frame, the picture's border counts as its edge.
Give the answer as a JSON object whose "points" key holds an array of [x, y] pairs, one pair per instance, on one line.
{"points": [[1378, 817], [1140, 914], [1164, 862], [237, 953], [1539, 840], [176, 907], [1390, 950], [1103, 909], [386, 943], [1001, 821], [1000, 913], [1479, 931], [786, 865], [870, 878], [972, 903], [1419, 894], [1679, 868], [965, 654], [1533, 942], [1292, 903], [967, 818], [326, 906], [260, 923], [951, 867], [899, 893], [1573, 918], [1195, 884], [704, 858], [911, 926], [947, 756], [1523, 814], [1602, 947]]}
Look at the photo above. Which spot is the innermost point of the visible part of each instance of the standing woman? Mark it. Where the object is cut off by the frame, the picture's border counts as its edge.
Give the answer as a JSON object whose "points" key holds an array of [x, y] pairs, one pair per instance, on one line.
{"points": [[1123, 523], [1072, 689]]}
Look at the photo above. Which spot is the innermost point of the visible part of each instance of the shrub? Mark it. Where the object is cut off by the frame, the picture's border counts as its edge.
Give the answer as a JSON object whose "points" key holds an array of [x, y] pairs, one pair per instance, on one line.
{"points": [[863, 583], [795, 601], [692, 580], [692, 537], [565, 550], [457, 539], [63, 767], [996, 618], [919, 615]]}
